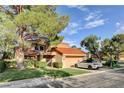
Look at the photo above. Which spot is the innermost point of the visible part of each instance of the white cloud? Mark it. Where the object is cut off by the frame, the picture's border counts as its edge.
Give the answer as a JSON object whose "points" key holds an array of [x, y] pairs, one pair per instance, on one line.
{"points": [[118, 24], [72, 28], [94, 15], [73, 25], [73, 32], [120, 28], [70, 42], [80, 7], [94, 19], [95, 23]]}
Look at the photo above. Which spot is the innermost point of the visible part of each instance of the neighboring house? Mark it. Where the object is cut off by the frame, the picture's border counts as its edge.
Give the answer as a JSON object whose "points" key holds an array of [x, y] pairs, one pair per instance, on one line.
{"points": [[40, 50], [37, 47], [67, 55]]}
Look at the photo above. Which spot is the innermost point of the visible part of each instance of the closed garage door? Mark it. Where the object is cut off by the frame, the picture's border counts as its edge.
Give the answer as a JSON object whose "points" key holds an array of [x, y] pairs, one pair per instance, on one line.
{"points": [[70, 61]]}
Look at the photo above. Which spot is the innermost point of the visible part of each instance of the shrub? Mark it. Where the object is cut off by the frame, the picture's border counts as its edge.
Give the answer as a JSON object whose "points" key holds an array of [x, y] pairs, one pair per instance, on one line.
{"points": [[30, 63], [10, 64], [57, 64], [2, 66], [112, 63], [7, 55], [36, 64], [41, 64]]}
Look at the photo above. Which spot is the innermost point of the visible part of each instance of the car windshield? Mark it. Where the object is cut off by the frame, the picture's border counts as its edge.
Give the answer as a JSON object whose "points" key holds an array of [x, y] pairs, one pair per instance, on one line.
{"points": [[90, 61]]}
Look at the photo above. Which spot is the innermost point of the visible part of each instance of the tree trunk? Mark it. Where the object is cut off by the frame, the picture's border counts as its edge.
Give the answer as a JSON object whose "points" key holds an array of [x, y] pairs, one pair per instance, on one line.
{"points": [[98, 56], [19, 55], [19, 52], [111, 59]]}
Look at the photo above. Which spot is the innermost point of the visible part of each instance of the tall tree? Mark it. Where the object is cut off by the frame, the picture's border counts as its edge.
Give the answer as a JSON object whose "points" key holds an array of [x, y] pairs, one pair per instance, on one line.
{"points": [[118, 43], [74, 46], [91, 43], [45, 21], [7, 34], [108, 49], [42, 20]]}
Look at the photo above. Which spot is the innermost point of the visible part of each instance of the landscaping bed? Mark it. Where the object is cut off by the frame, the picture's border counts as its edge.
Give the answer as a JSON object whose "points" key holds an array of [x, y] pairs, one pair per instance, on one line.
{"points": [[14, 74]]}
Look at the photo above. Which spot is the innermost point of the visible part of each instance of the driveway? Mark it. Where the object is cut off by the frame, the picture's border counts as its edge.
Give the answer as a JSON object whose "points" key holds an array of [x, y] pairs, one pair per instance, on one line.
{"points": [[108, 79]]}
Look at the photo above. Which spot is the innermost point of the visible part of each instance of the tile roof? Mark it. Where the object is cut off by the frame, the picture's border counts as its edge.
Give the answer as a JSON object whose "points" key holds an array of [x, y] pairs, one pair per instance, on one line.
{"points": [[73, 51]]}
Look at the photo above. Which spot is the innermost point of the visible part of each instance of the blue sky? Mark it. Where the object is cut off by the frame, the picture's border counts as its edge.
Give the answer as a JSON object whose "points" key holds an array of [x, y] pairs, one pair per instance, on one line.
{"points": [[103, 21]]}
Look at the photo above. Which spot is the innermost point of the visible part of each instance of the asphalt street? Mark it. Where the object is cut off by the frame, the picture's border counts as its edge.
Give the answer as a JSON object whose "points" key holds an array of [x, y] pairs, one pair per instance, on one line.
{"points": [[108, 79]]}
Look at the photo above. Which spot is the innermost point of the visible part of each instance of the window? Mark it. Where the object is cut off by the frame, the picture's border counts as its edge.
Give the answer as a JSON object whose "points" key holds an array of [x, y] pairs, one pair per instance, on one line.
{"points": [[39, 48]]}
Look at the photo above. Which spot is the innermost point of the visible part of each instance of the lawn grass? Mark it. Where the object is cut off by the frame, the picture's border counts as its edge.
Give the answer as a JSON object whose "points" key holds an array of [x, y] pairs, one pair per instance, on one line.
{"points": [[14, 74], [74, 71]]}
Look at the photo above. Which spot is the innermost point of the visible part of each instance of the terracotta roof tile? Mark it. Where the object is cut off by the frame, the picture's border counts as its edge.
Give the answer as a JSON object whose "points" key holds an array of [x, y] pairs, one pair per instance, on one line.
{"points": [[70, 51]]}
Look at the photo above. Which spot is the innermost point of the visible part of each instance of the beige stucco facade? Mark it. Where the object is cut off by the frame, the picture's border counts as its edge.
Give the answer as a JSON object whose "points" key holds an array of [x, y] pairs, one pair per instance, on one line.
{"points": [[67, 55], [70, 61], [67, 60]]}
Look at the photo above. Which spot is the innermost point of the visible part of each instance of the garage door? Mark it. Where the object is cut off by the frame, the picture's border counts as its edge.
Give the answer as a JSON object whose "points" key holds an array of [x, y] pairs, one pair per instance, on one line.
{"points": [[70, 61]]}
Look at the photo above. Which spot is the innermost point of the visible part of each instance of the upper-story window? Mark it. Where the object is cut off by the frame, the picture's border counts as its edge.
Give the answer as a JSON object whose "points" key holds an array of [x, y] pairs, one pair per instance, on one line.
{"points": [[39, 48]]}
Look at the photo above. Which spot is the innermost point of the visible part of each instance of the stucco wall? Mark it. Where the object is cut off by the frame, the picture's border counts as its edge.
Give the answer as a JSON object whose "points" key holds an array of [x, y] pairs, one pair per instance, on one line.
{"points": [[57, 57], [69, 61]]}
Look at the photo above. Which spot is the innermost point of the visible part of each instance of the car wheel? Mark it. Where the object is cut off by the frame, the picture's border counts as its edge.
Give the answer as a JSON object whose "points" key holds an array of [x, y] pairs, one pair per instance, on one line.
{"points": [[97, 68], [76, 65], [89, 67]]}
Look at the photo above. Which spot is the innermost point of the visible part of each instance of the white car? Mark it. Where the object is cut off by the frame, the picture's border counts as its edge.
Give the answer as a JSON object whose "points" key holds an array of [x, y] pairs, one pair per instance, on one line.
{"points": [[89, 64]]}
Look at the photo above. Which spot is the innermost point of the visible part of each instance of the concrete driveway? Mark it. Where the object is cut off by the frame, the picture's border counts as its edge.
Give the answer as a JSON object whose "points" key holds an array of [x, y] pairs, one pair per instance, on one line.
{"points": [[108, 79]]}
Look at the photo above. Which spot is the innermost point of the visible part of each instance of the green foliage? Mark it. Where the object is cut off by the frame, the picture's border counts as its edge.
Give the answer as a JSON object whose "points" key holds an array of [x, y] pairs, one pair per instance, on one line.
{"points": [[107, 48], [45, 21], [10, 64], [2, 66], [35, 64], [118, 38], [74, 71], [7, 32], [56, 73], [74, 46], [91, 43], [30, 63], [113, 47], [112, 64], [41, 64], [42, 19], [8, 55], [57, 40], [15, 74], [57, 64]]}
